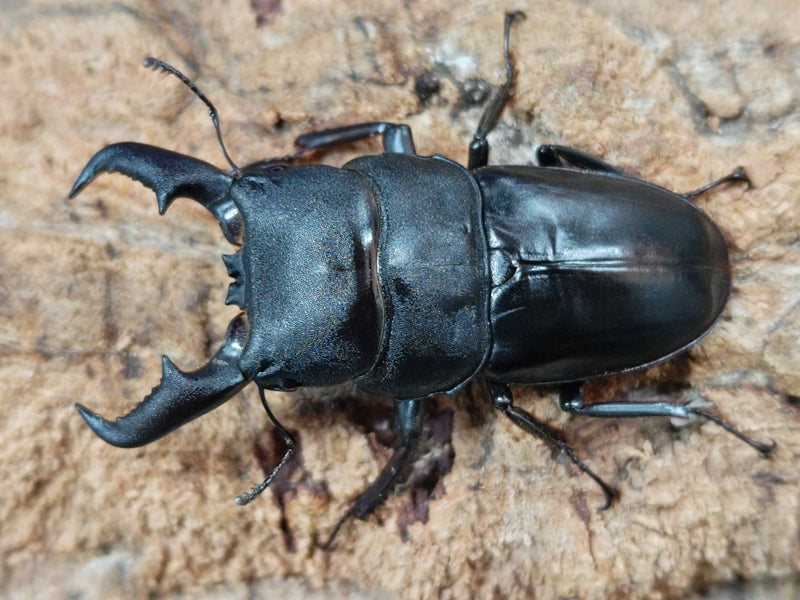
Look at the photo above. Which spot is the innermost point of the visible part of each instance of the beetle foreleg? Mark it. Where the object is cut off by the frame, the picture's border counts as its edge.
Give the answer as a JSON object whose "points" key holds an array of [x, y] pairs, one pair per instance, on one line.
{"points": [[503, 401], [290, 444], [571, 401], [179, 398], [396, 138], [408, 425]]}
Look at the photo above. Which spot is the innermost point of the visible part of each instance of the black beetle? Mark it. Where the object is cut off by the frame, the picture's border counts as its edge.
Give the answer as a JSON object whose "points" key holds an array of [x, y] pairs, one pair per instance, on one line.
{"points": [[412, 276]]}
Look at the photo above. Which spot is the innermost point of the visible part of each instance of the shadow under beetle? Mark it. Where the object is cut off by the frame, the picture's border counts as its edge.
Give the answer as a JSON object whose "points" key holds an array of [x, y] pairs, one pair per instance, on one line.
{"points": [[412, 276]]}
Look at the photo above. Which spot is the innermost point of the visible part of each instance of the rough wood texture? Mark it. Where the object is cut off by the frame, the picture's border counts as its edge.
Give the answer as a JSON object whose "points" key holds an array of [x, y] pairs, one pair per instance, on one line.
{"points": [[94, 290]]}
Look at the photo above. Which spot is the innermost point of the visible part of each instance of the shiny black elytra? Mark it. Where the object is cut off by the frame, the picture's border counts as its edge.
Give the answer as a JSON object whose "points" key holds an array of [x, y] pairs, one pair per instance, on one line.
{"points": [[412, 276]]}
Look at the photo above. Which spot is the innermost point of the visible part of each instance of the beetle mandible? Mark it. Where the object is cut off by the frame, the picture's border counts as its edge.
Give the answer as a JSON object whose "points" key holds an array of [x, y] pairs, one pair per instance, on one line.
{"points": [[412, 276]]}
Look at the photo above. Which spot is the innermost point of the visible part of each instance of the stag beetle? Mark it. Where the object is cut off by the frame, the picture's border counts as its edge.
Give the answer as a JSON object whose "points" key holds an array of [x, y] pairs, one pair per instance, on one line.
{"points": [[413, 275]]}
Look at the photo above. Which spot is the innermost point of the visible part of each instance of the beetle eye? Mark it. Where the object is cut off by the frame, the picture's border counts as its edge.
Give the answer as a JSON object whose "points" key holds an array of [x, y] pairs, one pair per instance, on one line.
{"points": [[289, 385], [275, 173]]}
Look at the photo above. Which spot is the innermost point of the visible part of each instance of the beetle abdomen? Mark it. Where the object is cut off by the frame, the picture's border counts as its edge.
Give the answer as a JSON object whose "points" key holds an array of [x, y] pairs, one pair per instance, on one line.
{"points": [[595, 273], [432, 267]]}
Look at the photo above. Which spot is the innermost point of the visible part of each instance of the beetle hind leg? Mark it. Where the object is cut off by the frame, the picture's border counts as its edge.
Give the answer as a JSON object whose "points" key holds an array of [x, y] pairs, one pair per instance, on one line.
{"points": [[503, 401], [551, 155], [571, 400], [408, 424], [739, 174]]}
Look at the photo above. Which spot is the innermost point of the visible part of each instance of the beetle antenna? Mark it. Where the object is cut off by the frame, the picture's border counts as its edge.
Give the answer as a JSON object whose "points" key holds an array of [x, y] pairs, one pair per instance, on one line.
{"points": [[289, 444], [156, 64]]}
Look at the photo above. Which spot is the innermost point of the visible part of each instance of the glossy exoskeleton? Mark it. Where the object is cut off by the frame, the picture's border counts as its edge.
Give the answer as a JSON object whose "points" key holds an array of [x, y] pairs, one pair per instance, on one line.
{"points": [[413, 275]]}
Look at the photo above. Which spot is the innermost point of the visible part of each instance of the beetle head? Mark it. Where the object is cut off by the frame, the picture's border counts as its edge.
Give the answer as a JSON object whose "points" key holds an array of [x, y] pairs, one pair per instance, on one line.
{"points": [[305, 277]]}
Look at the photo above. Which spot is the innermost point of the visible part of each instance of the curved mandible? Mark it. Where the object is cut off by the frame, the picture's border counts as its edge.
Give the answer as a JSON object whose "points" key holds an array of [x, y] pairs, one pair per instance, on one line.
{"points": [[180, 397], [170, 175]]}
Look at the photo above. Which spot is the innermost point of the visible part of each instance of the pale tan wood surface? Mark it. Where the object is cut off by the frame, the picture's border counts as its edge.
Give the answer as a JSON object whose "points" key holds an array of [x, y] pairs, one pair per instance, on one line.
{"points": [[94, 290]]}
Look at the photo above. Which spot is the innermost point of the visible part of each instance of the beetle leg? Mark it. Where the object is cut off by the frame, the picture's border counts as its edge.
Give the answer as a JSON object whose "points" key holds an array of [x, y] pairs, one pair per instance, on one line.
{"points": [[738, 175], [479, 147], [180, 397], [288, 442], [408, 424], [503, 401], [551, 155], [571, 401], [565, 157], [396, 138]]}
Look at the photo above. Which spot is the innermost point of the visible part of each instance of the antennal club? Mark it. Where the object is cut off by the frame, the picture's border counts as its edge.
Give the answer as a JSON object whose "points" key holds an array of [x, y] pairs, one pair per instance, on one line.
{"points": [[156, 64]]}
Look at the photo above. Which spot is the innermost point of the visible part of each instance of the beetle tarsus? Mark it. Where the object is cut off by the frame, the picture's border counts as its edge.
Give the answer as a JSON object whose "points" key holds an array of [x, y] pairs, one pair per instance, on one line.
{"points": [[479, 147], [738, 175], [327, 545], [502, 399], [765, 449], [289, 443]]}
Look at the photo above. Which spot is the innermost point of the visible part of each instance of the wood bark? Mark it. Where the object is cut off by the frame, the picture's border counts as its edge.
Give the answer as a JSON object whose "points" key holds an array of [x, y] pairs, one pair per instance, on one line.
{"points": [[95, 289]]}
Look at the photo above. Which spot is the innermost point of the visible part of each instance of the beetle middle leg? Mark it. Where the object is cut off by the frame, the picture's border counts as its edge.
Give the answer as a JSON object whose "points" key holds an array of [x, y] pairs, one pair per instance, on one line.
{"points": [[479, 147], [503, 400], [571, 400], [408, 425]]}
